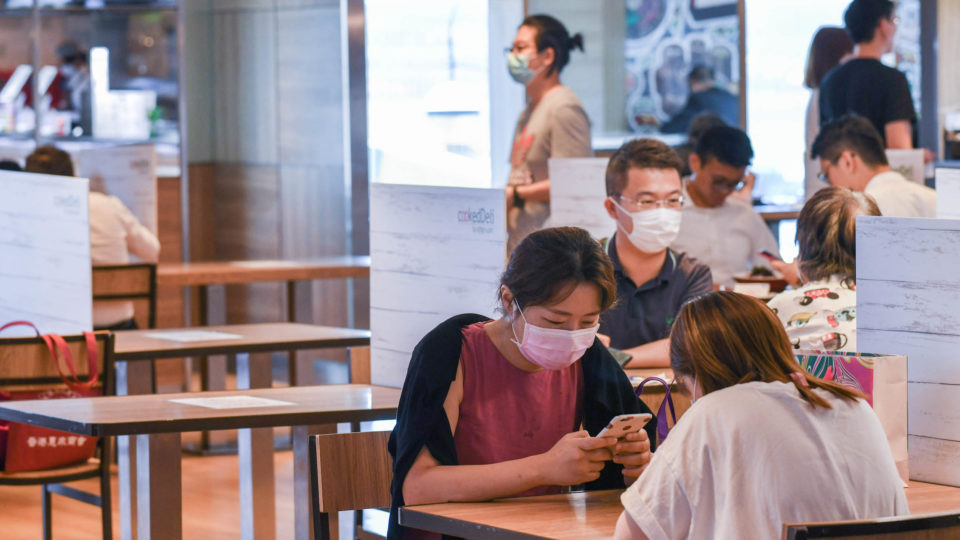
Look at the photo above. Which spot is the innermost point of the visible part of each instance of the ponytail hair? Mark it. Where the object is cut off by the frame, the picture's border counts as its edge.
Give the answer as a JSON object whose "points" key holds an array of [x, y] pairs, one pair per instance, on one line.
{"points": [[724, 338], [552, 34]]}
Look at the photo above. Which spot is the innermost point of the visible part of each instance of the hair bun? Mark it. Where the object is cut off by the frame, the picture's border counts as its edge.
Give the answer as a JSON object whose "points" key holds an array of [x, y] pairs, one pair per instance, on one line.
{"points": [[576, 42]]}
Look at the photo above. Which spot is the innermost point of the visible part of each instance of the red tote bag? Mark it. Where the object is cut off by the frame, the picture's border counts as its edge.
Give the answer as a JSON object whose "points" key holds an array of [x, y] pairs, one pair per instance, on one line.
{"points": [[29, 448]]}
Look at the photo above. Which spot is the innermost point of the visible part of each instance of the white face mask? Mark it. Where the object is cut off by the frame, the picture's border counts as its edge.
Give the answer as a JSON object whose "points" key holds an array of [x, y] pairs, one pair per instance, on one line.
{"points": [[653, 230]]}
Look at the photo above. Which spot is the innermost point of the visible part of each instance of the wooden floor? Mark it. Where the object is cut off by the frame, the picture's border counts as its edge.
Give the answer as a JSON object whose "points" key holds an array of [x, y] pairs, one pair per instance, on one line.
{"points": [[211, 508]]}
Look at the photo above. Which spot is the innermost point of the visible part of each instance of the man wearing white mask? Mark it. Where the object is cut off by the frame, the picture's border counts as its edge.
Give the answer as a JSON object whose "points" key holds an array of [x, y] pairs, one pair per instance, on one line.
{"points": [[644, 198]]}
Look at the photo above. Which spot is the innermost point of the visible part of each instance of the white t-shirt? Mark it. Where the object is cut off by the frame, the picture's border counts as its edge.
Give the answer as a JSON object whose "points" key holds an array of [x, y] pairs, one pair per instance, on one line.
{"points": [[115, 234], [820, 315], [747, 459], [898, 197], [726, 238]]}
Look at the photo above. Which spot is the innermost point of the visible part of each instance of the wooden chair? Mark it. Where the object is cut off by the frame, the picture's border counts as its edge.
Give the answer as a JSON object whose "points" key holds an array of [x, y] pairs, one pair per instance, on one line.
{"points": [[26, 365], [129, 282], [941, 526], [348, 471]]}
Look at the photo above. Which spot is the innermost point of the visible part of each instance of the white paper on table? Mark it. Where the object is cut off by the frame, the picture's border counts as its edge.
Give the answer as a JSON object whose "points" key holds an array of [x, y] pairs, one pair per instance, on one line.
{"points": [[948, 193], [662, 375], [232, 402], [193, 335]]}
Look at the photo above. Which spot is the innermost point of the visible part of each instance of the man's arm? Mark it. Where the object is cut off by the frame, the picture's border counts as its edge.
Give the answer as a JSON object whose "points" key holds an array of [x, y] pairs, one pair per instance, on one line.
{"points": [[655, 354], [898, 134]]}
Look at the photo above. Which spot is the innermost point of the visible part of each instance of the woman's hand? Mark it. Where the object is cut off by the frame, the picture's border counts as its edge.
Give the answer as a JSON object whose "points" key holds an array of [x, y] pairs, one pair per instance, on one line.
{"points": [[789, 271], [604, 339], [633, 452], [577, 458]]}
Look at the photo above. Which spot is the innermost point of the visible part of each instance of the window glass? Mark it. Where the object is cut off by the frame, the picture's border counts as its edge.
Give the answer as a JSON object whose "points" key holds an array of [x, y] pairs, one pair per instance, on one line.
{"points": [[427, 92]]}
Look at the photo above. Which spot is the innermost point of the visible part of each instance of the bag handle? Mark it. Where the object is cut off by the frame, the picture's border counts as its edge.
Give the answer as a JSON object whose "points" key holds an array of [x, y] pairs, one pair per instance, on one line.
{"points": [[662, 428], [56, 342]]}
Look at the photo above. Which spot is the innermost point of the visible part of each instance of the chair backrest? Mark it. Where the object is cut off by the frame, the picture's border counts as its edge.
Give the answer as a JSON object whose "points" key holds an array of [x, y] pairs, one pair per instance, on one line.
{"points": [[129, 282], [26, 364], [939, 526], [351, 471]]}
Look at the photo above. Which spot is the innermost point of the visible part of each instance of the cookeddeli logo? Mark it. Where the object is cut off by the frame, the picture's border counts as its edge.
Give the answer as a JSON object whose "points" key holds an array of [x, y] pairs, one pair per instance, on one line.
{"points": [[476, 217]]}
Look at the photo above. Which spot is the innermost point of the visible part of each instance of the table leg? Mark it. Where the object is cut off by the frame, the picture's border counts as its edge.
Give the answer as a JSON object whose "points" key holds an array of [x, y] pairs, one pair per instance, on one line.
{"points": [[302, 495], [132, 378], [255, 453], [159, 504]]}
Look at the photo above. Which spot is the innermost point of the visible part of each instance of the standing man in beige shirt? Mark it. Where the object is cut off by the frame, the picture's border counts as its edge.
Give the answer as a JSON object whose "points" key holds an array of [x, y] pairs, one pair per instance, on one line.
{"points": [[552, 125]]}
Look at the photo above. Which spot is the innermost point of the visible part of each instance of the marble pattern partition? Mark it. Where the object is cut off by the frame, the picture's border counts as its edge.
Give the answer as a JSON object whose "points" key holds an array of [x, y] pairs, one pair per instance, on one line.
{"points": [[948, 193], [44, 253], [908, 302], [577, 191], [435, 252]]}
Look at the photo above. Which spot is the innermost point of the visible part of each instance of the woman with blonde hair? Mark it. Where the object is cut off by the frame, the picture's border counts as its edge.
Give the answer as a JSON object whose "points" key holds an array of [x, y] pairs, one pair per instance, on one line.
{"points": [[821, 313], [764, 443]]}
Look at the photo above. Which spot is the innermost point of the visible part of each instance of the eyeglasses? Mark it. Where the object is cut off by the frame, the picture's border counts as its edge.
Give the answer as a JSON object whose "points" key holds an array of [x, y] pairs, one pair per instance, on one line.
{"points": [[675, 202], [516, 48], [824, 174], [721, 186]]}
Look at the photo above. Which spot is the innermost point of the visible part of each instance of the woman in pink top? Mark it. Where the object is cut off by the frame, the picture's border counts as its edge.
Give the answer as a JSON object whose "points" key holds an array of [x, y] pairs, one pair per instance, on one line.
{"points": [[495, 408]]}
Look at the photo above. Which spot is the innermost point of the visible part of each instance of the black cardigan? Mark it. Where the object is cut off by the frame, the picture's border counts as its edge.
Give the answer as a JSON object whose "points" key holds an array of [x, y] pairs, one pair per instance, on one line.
{"points": [[421, 419]]}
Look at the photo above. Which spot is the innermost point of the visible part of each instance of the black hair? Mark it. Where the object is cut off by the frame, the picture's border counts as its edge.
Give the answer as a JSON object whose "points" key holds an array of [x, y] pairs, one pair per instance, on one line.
{"points": [[639, 154], [552, 34], [863, 16], [701, 74], [548, 264], [49, 160], [9, 165], [726, 144], [849, 132]]}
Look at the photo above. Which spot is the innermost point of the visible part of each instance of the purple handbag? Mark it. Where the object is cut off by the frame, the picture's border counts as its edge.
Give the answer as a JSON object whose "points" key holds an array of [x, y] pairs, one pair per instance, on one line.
{"points": [[662, 428]]}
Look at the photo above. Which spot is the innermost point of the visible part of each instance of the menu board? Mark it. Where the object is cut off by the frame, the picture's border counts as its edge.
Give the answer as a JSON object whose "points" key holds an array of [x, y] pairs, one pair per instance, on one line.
{"points": [[435, 252], [908, 290], [577, 191], [45, 249]]}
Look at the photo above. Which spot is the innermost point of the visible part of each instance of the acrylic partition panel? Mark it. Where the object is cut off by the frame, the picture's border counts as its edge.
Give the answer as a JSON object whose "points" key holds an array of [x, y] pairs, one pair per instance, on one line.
{"points": [[45, 249], [577, 191], [908, 302], [948, 193], [126, 172], [435, 252], [909, 163]]}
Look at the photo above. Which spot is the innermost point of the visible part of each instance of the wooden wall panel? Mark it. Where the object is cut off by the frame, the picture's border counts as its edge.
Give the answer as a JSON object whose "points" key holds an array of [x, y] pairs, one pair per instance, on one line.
{"points": [[908, 289]]}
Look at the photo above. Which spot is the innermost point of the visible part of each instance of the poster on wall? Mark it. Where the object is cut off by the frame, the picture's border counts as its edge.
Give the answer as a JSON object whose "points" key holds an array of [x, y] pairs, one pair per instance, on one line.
{"points": [[435, 252], [126, 172], [666, 39], [45, 249]]}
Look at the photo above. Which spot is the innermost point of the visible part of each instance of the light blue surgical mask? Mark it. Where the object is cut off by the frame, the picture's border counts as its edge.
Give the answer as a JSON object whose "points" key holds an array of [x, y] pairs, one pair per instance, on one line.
{"points": [[519, 66]]}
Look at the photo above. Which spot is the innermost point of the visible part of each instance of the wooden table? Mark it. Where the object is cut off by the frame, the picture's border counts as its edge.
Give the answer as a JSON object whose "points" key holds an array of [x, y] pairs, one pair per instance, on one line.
{"points": [[157, 423], [133, 376], [582, 515], [205, 274]]}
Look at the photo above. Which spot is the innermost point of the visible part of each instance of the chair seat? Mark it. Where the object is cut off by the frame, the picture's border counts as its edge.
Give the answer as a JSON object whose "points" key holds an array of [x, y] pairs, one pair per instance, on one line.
{"points": [[69, 473]]}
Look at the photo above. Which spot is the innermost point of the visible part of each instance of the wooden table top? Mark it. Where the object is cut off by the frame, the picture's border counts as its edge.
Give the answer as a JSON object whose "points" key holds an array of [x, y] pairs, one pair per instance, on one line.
{"points": [[583, 515], [262, 337], [778, 212], [219, 273], [156, 413]]}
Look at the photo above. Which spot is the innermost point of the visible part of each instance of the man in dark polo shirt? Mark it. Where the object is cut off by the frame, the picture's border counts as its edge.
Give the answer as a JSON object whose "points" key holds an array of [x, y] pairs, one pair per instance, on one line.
{"points": [[644, 198]]}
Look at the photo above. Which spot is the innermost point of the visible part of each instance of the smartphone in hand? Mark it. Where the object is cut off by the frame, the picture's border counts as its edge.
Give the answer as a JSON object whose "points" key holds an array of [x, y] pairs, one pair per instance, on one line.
{"points": [[621, 425], [767, 255]]}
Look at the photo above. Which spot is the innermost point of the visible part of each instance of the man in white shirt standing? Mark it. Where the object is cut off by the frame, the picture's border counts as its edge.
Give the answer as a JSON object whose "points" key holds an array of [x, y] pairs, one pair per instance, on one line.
{"points": [[718, 230], [115, 234], [852, 156]]}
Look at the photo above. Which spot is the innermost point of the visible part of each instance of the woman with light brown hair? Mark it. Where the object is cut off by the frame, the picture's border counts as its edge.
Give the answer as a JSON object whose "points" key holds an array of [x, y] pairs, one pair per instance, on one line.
{"points": [[821, 313], [830, 47], [764, 443]]}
